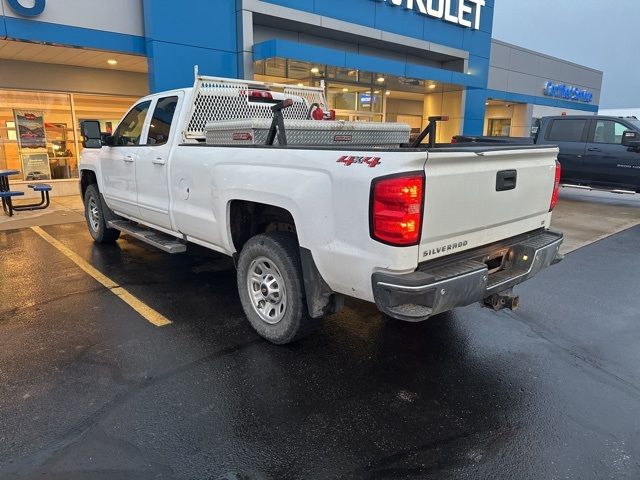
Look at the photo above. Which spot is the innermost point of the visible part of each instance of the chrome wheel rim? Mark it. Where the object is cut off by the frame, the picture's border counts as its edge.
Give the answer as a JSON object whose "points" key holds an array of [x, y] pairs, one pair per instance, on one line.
{"points": [[94, 215], [267, 291]]}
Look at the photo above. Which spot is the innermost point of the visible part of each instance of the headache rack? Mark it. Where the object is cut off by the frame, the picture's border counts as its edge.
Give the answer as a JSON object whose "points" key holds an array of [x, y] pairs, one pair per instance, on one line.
{"points": [[239, 112], [222, 99]]}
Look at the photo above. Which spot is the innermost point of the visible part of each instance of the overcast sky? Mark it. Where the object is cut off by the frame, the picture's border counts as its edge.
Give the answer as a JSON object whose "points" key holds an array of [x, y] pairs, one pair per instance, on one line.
{"points": [[601, 34]]}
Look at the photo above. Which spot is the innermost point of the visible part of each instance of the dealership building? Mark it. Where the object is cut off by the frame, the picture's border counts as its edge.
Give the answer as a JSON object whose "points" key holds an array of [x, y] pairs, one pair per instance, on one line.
{"points": [[64, 61]]}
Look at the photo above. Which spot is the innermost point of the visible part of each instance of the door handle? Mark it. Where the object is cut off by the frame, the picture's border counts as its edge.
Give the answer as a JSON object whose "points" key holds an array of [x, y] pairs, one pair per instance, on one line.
{"points": [[594, 149], [128, 158], [158, 161], [506, 180]]}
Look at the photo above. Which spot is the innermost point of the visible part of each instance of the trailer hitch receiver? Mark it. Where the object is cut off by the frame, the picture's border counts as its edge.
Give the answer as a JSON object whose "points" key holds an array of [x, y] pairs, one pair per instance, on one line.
{"points": [[502, 300]]}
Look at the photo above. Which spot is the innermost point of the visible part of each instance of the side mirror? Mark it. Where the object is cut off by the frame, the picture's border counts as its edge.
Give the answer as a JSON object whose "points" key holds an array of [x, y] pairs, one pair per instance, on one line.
{"points": [[631, 139], [90, 130]]}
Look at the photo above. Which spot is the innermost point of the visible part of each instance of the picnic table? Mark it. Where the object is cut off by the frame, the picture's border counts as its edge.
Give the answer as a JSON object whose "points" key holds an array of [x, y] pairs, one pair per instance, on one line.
{"points": [[6, 195]]}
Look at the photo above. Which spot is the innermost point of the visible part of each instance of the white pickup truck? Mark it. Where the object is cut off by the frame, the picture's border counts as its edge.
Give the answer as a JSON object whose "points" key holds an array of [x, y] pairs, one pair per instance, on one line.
{"points": [[419, 229]]}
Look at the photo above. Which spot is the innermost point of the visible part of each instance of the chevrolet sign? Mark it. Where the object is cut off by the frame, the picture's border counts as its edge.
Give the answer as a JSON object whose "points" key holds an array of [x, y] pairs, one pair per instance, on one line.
{"points": [[466, 13]]}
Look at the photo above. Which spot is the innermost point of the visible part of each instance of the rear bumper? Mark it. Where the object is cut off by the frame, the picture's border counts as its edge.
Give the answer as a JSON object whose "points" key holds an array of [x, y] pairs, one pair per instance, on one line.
{"points": [[463, 279]]}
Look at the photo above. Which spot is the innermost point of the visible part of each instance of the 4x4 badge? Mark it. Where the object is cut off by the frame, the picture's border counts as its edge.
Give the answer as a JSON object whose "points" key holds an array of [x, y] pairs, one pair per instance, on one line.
{"points": [[373, 162]]}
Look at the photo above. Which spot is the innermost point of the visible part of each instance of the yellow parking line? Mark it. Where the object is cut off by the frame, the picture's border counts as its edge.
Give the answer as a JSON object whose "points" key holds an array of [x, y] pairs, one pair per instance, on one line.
{"points": [[151, 315]]}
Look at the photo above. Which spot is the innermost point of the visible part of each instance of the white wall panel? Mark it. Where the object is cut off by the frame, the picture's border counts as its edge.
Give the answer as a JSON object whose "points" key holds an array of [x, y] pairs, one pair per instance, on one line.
{"points": [[120, 16]]}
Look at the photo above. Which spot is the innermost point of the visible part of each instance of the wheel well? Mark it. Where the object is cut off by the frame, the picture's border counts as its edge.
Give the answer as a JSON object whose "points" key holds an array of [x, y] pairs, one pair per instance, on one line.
{"points": [[87, 177], [248, 219]]}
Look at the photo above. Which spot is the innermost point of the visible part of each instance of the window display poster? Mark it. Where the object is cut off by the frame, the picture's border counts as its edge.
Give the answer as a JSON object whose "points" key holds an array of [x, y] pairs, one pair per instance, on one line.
{"points": [[30, 126], [35, 166]]}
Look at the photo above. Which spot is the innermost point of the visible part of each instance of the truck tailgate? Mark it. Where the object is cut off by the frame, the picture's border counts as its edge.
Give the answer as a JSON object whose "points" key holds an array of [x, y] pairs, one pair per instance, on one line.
{"points": [[474, 197]]}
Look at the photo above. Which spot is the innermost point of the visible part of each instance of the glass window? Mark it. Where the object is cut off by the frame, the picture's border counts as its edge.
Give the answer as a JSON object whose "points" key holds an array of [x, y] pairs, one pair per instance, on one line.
{"points": [[370, 102], [107, 109], [275, 67], [39, 130], [130, 129], [161, 122], [339, 99], [37, 135], [298, 70], [566, 130], [499, 127], [608, 131], [358, 95]]}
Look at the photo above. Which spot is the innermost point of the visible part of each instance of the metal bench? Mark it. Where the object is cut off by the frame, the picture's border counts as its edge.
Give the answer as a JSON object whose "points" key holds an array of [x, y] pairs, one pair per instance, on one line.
{"points": [[7, 204], [44, 190]]}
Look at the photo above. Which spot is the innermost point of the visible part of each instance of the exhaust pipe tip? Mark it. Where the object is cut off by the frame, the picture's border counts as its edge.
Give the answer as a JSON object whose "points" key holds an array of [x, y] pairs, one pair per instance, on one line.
{"points": [[500, 301], [515, 303]]}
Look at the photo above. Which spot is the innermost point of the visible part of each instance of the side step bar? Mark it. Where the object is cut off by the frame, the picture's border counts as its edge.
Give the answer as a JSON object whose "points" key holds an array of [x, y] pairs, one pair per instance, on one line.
{"points": [[584, 187], [166, 243]]}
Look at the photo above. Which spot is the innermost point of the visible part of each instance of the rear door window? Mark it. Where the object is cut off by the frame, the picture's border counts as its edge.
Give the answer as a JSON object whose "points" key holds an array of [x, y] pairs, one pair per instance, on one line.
{"points": [[160, 127], [569, 130]]}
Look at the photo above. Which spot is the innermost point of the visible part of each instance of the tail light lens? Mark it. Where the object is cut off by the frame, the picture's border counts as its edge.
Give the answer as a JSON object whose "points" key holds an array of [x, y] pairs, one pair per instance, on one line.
{"points": [[396, 209], [556, 187]]}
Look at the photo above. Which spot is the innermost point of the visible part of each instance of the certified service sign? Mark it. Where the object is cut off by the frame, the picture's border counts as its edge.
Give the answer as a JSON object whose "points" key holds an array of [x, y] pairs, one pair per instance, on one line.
{"points": [[567, 92], [466, 13]]}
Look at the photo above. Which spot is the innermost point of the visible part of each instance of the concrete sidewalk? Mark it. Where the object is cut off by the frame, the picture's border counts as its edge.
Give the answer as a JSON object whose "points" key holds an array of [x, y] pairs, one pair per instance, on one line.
{"points": [[62, 210], [588, 216]]}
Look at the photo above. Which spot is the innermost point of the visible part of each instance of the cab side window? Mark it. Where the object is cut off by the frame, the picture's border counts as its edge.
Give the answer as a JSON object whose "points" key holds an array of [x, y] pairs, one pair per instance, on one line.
{"points": [[609, 131], [569, 130], [130, 129], [160, 127]]}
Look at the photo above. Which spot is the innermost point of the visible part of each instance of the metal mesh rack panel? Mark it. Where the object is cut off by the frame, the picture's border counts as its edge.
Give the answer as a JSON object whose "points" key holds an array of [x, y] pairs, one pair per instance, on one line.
{"points": [[222, 99]]}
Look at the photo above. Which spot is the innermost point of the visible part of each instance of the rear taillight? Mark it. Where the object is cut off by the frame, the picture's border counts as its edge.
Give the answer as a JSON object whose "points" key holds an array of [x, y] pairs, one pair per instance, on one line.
{"points": [[556, 187], [396, 209]]}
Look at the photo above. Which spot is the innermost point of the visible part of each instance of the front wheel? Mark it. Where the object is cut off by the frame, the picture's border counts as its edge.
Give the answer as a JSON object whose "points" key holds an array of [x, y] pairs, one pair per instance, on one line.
{"points": [[94, 213], [271, 288]]}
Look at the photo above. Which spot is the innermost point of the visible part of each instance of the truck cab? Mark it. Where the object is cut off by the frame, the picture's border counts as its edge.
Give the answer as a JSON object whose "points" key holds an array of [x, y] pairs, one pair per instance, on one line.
{"points": [[595, 150]]}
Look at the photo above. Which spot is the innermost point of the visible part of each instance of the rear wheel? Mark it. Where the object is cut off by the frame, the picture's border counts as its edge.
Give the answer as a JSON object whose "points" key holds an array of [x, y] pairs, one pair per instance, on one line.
{"points": [[94, 213], [271, 288]]}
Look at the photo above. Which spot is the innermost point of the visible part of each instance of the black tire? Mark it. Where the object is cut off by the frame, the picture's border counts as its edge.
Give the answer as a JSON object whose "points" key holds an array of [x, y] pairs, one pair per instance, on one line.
{"points": [[94, 215], [282, 255]]}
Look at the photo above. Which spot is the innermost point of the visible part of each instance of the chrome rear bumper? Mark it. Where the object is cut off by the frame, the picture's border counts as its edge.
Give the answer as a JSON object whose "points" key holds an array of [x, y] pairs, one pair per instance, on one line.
{"points": [[443, 285]]}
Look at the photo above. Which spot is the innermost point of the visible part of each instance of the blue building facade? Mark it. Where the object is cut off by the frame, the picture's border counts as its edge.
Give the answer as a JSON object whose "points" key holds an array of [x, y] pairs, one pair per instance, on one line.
{"points": [[440, 44], [213, 40]]}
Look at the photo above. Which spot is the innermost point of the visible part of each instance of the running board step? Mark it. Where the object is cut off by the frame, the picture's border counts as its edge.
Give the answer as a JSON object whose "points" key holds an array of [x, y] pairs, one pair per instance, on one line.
{"points": [[598, 189], [623, 192], [166, 243]]}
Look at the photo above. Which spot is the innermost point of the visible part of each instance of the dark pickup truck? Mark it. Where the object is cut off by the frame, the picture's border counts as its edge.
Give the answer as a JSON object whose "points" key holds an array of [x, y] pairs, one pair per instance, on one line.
{"points": [[595, 151]]}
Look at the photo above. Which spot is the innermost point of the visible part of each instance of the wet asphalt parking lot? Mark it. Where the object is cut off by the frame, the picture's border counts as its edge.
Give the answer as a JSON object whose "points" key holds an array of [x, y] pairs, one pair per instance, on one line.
{"points": [[90, 390]]}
